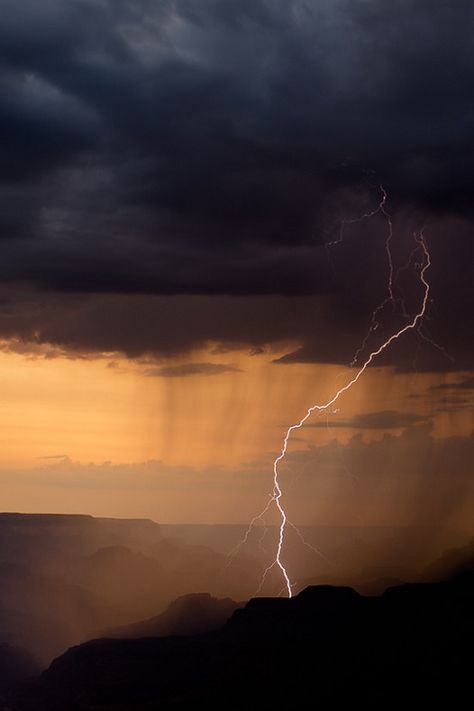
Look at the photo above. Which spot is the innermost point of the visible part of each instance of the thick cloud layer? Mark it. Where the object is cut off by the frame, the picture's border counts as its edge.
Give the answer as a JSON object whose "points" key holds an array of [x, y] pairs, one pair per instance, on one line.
{"points": [[175, 147]]}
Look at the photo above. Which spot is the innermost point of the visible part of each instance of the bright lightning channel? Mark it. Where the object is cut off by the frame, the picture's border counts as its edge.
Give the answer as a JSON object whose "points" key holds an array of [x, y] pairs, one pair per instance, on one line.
{"points": [[415, 323]]}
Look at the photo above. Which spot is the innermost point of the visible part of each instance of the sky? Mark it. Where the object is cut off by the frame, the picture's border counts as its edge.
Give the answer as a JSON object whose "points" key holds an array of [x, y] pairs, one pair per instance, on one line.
{"points": [[185, 265]]}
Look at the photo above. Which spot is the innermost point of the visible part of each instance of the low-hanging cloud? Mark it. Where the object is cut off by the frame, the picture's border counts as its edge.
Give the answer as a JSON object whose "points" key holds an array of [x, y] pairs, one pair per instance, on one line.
{"points": [[189, 369], [172, 149], [382, 420]]}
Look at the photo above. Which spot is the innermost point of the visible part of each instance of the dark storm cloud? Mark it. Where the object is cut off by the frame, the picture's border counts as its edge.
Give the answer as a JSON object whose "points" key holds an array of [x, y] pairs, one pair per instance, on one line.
{"points": [[175, 147], [187, 369], [83, 326], [230, 120], [140, 325], [383, 420]]}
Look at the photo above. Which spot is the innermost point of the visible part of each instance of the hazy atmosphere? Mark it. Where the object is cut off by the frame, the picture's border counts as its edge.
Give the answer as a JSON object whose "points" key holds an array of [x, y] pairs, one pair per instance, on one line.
{"points": [[172, 178], [235, 288]]}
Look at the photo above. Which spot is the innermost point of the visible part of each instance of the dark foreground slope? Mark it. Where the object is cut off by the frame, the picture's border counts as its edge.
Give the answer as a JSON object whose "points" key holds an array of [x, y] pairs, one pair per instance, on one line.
{"points": [[409, 648], [15, 664]]}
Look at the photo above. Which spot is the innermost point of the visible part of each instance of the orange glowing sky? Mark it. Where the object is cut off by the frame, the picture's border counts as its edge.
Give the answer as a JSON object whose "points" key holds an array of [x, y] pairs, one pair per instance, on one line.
{"points": [[59, 414]]}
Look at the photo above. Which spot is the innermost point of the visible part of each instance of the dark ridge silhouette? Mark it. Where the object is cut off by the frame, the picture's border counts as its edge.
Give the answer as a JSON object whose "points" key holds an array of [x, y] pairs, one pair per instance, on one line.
{"points": [[408, 648], [188, 615], [15, 664], [64, 579]]}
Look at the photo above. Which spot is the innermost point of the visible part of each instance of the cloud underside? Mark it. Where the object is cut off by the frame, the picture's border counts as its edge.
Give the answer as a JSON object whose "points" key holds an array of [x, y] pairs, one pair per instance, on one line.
{"points": [[212, 149], [189, 369], [153, 328]]}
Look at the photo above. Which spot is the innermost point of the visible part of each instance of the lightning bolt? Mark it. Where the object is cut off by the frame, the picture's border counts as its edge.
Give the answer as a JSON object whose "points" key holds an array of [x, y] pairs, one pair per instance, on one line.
{"points": [[414, 323], [380, 209], [277, 491], [374, 323], [366, 216]]}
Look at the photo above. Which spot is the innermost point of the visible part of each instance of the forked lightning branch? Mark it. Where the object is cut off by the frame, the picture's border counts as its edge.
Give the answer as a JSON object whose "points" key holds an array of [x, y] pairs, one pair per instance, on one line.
{"points": [[414, 323]]}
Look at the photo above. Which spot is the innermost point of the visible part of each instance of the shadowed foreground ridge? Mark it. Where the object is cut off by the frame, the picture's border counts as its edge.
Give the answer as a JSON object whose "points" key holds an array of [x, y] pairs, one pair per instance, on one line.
{"points": [[327, 645]]}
